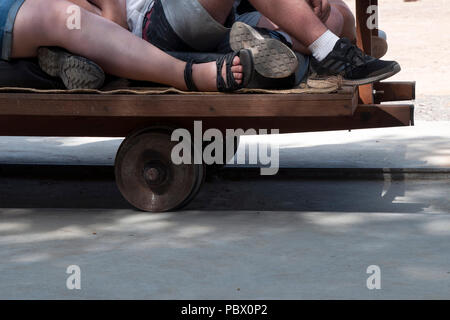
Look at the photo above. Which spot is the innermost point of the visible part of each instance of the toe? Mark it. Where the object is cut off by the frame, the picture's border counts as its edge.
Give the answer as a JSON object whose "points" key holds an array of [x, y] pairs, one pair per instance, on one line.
{"points": [[237, 69], [237, 76]]}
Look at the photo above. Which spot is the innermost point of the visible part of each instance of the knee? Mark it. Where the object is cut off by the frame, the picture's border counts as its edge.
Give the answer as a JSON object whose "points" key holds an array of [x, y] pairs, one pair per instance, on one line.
{"points": [[348, 16], [349, 21], [349, 30], [57, 17]]}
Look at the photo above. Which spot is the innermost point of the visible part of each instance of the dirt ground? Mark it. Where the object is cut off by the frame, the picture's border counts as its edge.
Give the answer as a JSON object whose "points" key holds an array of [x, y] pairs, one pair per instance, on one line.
{"points": [[419, 39]]}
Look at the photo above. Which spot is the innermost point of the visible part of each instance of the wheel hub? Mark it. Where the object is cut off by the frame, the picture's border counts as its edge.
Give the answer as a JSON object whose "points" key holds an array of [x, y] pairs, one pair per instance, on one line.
{"points": [[155, 173]]}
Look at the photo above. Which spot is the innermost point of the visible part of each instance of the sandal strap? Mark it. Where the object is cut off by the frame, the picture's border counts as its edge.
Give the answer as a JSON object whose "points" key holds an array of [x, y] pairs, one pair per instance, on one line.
{"points": [[188, 76], [231, 84]]}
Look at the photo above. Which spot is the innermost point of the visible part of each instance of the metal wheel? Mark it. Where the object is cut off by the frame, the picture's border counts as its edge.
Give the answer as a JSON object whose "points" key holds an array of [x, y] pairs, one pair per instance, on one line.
{"points": [[201, 176], [147, 177], [214, 168]]}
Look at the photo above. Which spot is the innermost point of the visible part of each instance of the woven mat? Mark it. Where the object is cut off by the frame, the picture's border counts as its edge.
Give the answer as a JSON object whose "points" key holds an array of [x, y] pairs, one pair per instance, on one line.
{"points": [[328, 85]]}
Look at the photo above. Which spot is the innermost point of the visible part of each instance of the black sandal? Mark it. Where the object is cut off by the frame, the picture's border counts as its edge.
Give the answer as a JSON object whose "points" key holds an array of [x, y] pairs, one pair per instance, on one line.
{"points": [[230, 85]]}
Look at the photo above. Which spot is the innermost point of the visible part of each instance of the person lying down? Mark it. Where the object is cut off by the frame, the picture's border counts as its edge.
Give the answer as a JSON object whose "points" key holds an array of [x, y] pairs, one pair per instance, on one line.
{"points": [[146, 19], [127, 38], [28, 25]]}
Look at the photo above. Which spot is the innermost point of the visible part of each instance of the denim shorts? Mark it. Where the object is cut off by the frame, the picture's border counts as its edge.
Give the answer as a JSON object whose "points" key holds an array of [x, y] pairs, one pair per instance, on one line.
{"points": [[8, 13], [251, 18]]}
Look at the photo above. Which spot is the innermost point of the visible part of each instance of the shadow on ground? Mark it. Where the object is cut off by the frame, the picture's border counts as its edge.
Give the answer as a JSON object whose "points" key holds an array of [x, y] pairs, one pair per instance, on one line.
{"points": [[72, 187], [93, 187]]}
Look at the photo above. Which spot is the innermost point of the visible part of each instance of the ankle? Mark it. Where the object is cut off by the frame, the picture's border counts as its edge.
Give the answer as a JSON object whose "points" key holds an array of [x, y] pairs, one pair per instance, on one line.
{"points": [[323, 45], [204, 76]]}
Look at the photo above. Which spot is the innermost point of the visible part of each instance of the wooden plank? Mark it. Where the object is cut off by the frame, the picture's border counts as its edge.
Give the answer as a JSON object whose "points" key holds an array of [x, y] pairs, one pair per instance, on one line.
{"points": [[375, 31], [364, 34], [366, 116], [366, 94], [395, 91], [364, 41], [237, 105]]}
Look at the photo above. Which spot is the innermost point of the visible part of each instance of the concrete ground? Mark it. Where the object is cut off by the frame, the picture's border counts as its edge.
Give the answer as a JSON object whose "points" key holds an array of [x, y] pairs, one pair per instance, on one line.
{"points": [[314, 240], [424, 146], [284, 237]]}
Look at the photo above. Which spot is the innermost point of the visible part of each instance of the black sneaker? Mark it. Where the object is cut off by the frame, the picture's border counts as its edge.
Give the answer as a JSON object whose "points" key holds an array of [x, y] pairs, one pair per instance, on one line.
{"points": [[76, 72], [356, 67]]}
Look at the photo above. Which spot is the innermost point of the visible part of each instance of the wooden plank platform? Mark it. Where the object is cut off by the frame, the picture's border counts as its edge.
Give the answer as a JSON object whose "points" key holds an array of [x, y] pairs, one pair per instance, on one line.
{"points": [[118, 115], [373, 116], [394, 91], [342, 103]]}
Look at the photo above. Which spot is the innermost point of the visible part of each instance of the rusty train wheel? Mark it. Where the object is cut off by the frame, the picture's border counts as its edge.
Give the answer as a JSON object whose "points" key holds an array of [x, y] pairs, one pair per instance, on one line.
{"points": [[147, 177]]}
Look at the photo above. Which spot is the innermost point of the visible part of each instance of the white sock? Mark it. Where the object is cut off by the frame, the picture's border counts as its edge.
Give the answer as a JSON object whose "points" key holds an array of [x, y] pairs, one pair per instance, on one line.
{"points": [[323, 45]]}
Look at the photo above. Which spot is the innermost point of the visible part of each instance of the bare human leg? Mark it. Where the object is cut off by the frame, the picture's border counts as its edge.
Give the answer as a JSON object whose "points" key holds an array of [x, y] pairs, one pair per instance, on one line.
{"points": [[329, 59], [287, 13], [284, 13], [349, 26], [341, 22], [116, 50]]}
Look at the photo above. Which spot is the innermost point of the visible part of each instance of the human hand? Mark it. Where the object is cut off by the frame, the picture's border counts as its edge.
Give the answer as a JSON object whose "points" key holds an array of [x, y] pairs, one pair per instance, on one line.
{"points": [[321, 8]]}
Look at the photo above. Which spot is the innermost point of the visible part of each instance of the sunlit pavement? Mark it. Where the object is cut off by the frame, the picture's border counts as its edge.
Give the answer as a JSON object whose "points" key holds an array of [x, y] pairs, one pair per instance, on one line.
{"points": [[426, 145]]}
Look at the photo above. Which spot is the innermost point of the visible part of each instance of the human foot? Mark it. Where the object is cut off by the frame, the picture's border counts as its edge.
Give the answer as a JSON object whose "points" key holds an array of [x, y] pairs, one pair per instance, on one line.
{"points": [[273, 59], [76, 72], [236, 70], [353, 65]]}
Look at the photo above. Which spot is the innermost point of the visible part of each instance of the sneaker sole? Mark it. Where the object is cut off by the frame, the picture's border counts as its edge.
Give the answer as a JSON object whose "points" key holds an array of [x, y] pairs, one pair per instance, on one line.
{"points": [[395, 69], [76, 72], [272, 58]]}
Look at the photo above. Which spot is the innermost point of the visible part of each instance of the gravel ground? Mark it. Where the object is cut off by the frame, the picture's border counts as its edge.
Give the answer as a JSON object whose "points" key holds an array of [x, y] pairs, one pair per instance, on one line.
{"points": [[433, 108], [419, 40]]}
